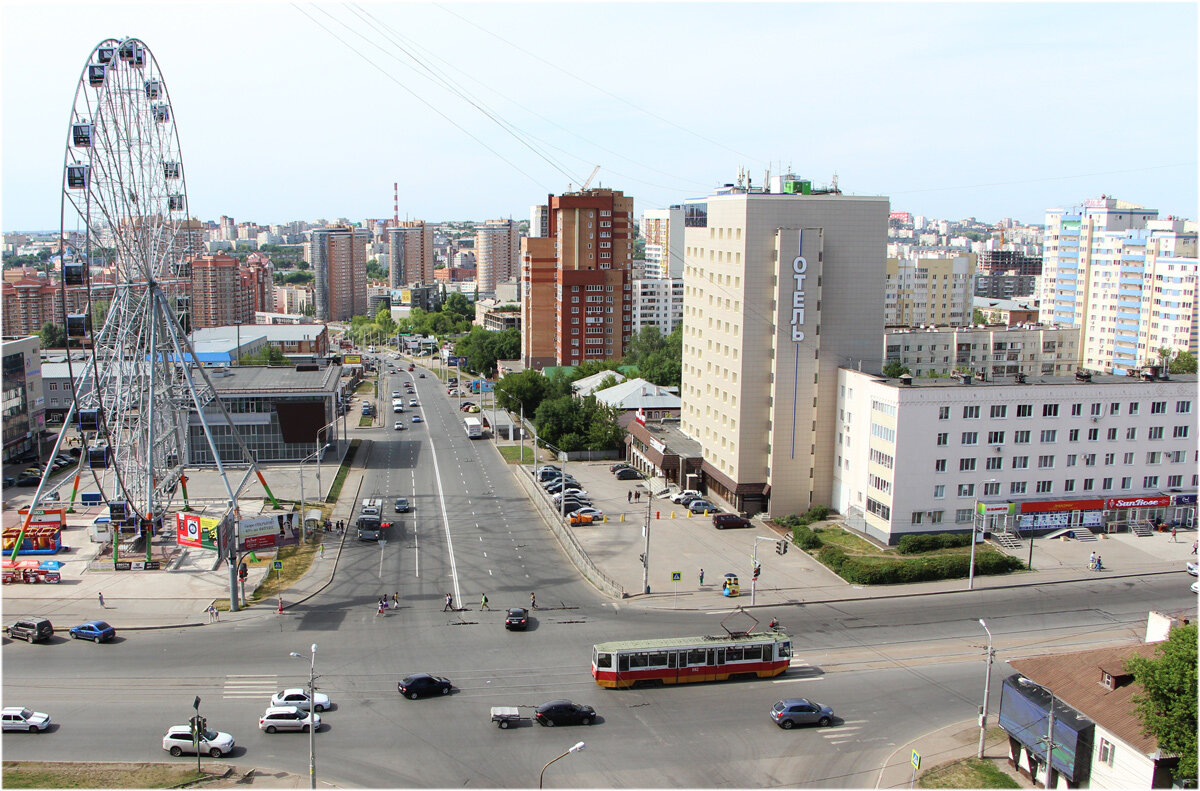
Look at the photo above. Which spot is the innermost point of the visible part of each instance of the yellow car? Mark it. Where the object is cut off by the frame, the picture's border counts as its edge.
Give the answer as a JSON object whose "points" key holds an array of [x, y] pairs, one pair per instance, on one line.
{"points": [[580, 519]]}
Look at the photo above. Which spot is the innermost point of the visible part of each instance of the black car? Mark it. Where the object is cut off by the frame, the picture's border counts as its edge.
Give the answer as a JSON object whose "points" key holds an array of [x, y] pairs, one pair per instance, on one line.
{"points": [[516, 618], [402, 505], [564, 712], [423, 684], [629, 475], [29, 480], [615, 468]]}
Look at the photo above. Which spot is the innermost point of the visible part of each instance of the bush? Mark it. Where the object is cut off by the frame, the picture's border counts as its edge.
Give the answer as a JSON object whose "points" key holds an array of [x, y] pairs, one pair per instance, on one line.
{"points": [[806, 538], [917, 544], [863, 571]]}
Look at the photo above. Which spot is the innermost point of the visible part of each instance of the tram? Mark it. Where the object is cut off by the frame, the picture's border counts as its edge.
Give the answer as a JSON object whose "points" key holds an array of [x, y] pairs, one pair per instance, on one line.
{"points": [[680, 660]]}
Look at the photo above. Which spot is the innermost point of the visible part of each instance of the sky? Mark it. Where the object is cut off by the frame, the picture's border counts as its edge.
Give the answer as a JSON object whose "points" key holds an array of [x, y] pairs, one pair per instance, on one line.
{"points": [[299, 111]]}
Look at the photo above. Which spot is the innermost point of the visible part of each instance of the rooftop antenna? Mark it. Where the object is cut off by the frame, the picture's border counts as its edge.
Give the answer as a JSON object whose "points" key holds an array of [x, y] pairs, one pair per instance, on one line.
{"points": [[834, 184]]}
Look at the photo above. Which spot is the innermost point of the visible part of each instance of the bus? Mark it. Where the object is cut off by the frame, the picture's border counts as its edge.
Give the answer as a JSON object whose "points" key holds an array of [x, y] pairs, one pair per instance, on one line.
{"points": [[679, 660], [474, 427]]}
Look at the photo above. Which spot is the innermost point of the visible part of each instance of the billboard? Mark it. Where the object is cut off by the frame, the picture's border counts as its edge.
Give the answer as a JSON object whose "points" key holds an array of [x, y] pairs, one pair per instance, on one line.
{"points": [[353, 359], [272, 530], [1024, 716], [202, 532]]}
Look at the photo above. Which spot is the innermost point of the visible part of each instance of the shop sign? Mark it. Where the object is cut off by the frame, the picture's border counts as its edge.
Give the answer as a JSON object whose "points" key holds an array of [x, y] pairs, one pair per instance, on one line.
{"points": [[1061, 505], [1137, 502]]}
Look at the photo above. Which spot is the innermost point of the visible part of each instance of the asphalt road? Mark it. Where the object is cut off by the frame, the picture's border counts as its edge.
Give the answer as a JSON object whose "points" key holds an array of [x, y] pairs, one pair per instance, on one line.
{"points": [[891, 668]]}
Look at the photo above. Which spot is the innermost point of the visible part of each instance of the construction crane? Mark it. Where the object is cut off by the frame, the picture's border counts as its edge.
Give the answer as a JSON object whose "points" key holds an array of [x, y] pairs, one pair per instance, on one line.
{"points": [[595, 170]]}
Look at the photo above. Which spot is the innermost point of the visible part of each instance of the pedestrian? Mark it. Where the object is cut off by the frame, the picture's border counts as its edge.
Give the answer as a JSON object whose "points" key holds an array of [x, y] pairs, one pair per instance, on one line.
{"points": [[483, 605], [532, 601], [1173, 529], [449, 603], [1194, 545], [629, 496], [396, 600], [210, 609], [637, 497], [1092, 560], [101, 595], [322, 550], [215, 613], [701, 576], [1099, 564]]}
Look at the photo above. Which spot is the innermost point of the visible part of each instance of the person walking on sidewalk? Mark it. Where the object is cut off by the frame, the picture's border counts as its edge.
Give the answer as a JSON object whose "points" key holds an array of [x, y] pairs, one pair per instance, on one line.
{"points": [[532, 601], [449, 603], [101, 596], [629, 496], [1173, 529], [396, 600], [701, 576], [483, 605]]}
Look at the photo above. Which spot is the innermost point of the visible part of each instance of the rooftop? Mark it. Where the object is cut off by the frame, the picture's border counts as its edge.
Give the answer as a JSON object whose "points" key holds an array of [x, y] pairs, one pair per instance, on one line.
{"points": [[267, 379]]}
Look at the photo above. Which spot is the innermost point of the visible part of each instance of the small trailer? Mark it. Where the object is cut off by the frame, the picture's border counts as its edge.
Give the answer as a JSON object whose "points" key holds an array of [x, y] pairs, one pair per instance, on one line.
{"points": [[506, 716]]}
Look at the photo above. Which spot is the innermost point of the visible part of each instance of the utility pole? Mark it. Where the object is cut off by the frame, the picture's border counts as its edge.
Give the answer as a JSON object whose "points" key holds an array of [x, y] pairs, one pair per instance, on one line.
{"points": [[987, 683], [646, 555]]}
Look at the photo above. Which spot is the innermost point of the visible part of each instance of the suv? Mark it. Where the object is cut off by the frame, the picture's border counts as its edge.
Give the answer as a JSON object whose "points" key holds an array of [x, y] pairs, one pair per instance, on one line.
{"points": [[402, 505], [288, 718], [31, 630], [723, 521], [791, 712]]}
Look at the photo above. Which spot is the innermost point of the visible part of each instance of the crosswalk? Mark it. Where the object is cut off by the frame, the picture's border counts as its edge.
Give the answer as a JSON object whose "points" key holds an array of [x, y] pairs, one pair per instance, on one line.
{"points": [[250, 686], [843, 732]]}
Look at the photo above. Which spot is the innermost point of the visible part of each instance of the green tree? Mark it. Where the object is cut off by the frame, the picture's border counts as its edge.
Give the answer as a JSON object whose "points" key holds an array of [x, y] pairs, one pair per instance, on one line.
{"points": [[894, 369], [977, 317], [1167, 705], [1183, 363], [526, 387], [375, 271], [458, 306], [52, 336], [267, 355]]}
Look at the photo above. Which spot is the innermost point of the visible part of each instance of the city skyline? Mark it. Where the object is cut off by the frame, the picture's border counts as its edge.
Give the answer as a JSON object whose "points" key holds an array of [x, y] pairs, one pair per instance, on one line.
{"points": [[950, 110]]}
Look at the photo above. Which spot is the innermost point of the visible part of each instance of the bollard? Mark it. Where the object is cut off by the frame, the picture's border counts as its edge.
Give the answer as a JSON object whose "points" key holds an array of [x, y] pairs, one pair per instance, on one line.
{"points": [[672, 514], [658, 514], [622, 517], [281, 605]]}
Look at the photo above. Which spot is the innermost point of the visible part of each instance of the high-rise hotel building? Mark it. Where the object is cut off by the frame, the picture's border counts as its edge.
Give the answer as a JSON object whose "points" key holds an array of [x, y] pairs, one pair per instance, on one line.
{"points": [[410, 254], [497, 254], [575, 282], [780, 290], [1125, 277], [339, 261]]}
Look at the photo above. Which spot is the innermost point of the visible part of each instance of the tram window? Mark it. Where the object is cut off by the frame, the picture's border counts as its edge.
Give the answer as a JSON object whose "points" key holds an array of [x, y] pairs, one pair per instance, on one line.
{"points": [[733, 653], [671, 659], [604, 660], [785, 650], [697, 656], [658, 659], [637, 660], [752, 653], [622, 663]]}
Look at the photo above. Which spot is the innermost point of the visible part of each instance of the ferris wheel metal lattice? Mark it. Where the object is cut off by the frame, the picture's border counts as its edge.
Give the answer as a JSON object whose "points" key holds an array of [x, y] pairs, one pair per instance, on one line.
{"points": [[126, 245]]}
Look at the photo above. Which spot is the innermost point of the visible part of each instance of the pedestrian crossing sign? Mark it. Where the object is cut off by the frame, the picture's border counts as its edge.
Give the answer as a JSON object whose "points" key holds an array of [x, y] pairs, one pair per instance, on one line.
{"points": [[276, 565], [676, 576]]}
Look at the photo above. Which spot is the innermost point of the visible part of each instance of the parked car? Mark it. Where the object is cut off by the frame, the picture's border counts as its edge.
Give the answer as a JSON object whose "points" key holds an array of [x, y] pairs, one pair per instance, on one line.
{"points": [[288, 718], [179, 741], [517, 618], [19, 718], [790, 712], [422, 685], [417, 419], [28, 480], [619, 466], [701, 506], [402, 505], [571, 506], [679, 497], [31, 629], [571, 490], [629, 475], [729, 521], [595, 513], [96, 631], [571, 499], [299, 698], [579, 519], [564, 712]]}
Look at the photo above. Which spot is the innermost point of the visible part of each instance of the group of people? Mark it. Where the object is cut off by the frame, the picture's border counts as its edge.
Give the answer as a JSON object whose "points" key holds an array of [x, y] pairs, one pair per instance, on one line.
{"points": [[385, 604], [1095, 563], [634, 497]]}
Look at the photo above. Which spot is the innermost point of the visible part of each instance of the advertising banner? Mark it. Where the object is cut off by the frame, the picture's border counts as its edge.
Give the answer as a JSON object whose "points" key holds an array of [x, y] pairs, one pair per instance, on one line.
{"points": [[1137, 502], [198, 531], [272, 530], [1061, 505]]}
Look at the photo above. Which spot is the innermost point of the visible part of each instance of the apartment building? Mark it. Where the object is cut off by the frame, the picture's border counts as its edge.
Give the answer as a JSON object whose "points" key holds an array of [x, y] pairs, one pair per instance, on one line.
{"points": [[410, 254], [663, 231], [24, 400], [657, 303], [497, 254], [539, 220], [993, 262], [576, 288], [1097, 451], [339, 262], [293, 299], [1005, 285], [929, 290], [779, 290], [1127, 278], [221, 295], [986, 352]]}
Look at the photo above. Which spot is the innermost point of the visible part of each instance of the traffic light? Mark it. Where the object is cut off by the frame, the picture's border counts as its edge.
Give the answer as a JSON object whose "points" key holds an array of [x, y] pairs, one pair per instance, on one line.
{"points": [[642, 558], [781, 546], [757, 571]]}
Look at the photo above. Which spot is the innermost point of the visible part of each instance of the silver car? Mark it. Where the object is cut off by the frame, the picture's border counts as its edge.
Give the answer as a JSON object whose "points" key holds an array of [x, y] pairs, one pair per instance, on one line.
{"points": [[288, 718], [791, 712]]}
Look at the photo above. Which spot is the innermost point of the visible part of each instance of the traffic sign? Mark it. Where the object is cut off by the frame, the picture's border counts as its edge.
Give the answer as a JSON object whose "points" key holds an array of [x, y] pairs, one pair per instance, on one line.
{"points": [[915, 760], [276, 565], [676, 576]]}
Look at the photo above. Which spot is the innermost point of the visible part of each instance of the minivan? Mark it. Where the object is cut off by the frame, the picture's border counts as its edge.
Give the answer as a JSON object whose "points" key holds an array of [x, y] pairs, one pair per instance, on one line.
{"points": [[31, 629]]}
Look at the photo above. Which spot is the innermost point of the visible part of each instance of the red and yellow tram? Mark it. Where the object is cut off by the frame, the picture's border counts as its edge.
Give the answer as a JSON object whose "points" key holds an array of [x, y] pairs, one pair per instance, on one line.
{"points": [[683, 659]]}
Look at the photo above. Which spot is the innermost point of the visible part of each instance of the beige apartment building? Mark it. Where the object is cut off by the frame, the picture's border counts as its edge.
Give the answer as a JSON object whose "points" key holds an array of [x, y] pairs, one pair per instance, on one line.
{"points": [[992, 353], [663, 231], [779, 291], [497, 254], [410, 254], [929, 291], [575, 302]]}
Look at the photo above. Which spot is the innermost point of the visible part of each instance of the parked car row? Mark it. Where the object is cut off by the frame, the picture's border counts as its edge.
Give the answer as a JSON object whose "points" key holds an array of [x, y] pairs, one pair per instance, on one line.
{"points": [[35, 629]]}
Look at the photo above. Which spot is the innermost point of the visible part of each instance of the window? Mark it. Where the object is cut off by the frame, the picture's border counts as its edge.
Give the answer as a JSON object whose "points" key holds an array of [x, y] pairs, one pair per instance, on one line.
{"points": [[1045, 462], [944, 413], [1128, 459], [970, 413], [966, 465], [1016, 487], [943, 438], [1150, 482], [1126, 482], [1093, 434], [1133, 407], [1106, 752], [1045, 487], [1109, 459], [966, 490], [1073, 435], [1112, 435], [1114, 408], [1156, 432], [1024, 410], [1097, 409], [1071, 459], [1182, 407], [1158, 407], [970, 438], [1131, 432], [999, 410], [1020, 462], [939, 491], [939, 465], [1106, 483], [1021, 437], [1181, 432], [991, 489], [995, 437], [1069, 485], [1089, 484], [1076, 410], [1154, 457], [1174, 481], [963, 516], [1049, 410], [995, 463], [1049, 435]]}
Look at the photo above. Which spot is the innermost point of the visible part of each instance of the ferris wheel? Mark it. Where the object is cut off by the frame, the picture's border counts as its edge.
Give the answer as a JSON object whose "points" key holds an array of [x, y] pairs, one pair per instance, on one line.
{"points": [[139, 397]]}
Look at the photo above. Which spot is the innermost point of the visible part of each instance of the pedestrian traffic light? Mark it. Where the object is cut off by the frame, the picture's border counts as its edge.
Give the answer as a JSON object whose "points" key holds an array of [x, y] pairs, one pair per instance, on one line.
{"points": [[642, 558], [757, 570]]}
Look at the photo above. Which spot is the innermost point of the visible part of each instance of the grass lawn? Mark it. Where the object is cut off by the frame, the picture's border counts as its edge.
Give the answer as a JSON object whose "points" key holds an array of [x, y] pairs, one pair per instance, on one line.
{"points": [[335, 491], [512, 454], [967, 773], [52, 774], [296, 561], [365, 421]]}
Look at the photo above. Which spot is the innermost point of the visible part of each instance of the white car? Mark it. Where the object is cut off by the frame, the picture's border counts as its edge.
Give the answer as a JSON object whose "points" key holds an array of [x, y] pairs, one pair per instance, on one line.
{"points": [[1191, 568], [679, 497], [213, 743], [299, 698], [570, 491], [399, 426], [595, 513], [395, 394], [17, 718], [288, 718]]}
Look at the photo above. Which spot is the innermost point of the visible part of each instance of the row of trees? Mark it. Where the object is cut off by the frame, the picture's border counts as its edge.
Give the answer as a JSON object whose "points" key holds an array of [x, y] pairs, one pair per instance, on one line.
{"points": [[567, 422]]}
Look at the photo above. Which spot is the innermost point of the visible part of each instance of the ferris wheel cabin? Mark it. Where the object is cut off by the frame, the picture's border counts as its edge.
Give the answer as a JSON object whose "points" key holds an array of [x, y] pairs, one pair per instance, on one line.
{"points": [[96, 74], [171, 170], [77, 177]]}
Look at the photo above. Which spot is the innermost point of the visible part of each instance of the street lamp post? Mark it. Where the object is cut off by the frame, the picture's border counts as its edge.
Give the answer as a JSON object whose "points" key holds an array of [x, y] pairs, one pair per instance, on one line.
{"points": [[987, 683], [312, 730], [578, 746]]}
